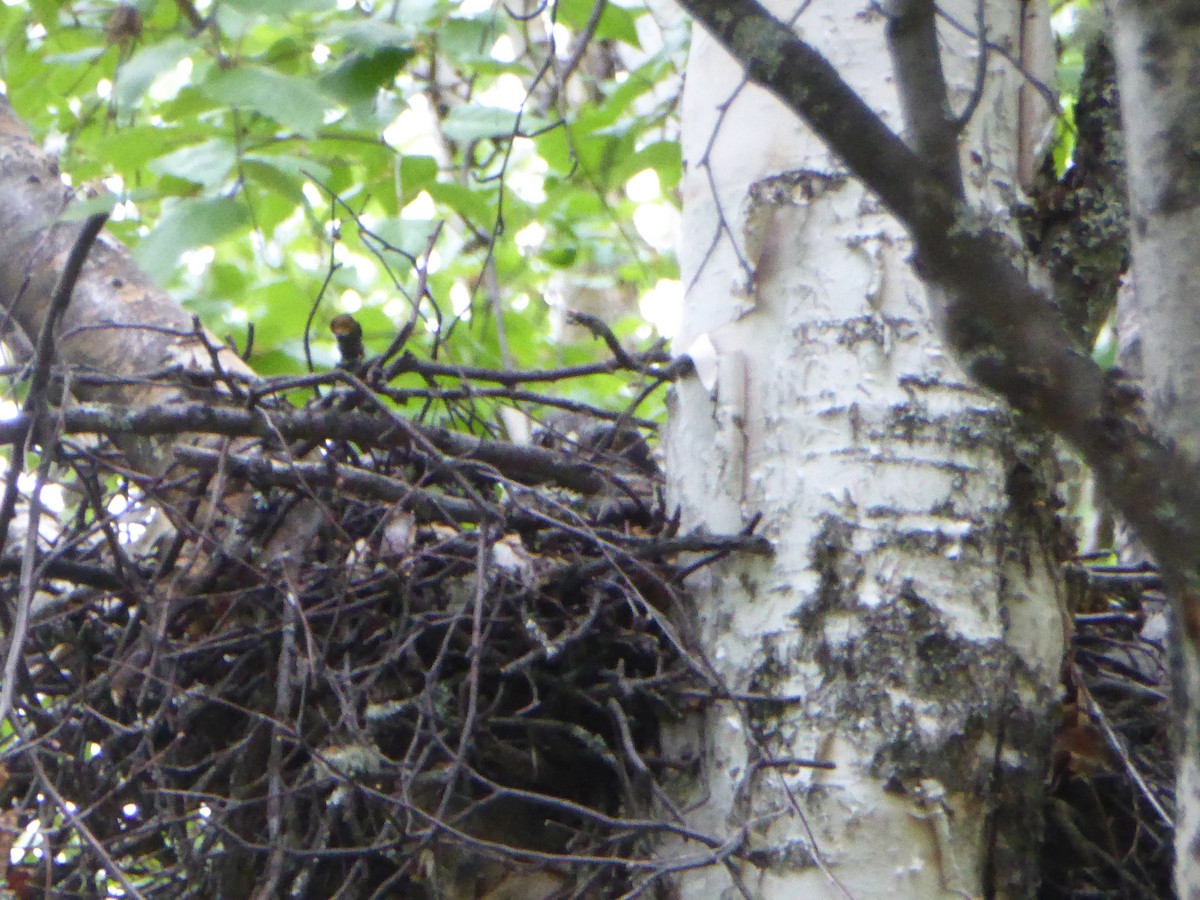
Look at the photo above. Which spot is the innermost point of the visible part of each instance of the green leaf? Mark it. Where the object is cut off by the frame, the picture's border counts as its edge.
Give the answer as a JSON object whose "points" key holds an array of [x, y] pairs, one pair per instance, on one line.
{"points": [[1104, 353], [228, 280], [278, 306], [581, 204], [131, 147], [298, 167], [285, 174], [372, 36], [615, 23], [664, 157], [187, 107], [410, 235], [560, 257], [475, 206], [288, 55], [418, 13], [417, 173], [189, 224], [475, 123], [468, 40], [279, 7], [87, 54], [294, 103], [406, 22], [271, 208], [361, 75], [81, 210], [206, 164], [136, 76], [554, 146]]}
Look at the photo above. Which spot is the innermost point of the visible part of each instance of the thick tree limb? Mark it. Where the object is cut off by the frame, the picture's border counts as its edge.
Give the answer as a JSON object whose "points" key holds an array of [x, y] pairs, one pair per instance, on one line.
{"points": [[1007, 332], [528, 465]]}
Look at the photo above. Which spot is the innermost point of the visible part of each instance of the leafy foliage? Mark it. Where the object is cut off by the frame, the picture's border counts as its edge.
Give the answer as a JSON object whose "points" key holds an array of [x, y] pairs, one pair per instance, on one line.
{"points": [[276, 162]]}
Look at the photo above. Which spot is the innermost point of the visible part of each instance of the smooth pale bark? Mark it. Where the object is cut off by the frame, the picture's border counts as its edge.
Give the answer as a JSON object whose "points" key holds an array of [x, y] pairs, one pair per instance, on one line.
{"points": [[908, 625], [118, 323], [1158, 54]]}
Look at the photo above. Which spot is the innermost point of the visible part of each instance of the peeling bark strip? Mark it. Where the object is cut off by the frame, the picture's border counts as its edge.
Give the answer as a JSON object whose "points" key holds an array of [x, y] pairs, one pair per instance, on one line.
{"points": [[1008, 332]]}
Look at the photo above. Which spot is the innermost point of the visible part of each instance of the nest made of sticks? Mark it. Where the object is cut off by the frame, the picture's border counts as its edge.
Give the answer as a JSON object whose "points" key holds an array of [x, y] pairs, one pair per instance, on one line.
{"points": [[452, 687], [1110, 809]]}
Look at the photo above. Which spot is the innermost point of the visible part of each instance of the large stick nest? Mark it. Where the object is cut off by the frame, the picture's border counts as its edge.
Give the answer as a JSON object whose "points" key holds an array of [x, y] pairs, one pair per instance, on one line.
{"points": [[394, 660]]}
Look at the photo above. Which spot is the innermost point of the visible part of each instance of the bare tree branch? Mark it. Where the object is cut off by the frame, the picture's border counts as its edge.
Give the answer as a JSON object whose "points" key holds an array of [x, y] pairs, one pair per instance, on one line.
{"points": [[932, 125], [529, 465]]}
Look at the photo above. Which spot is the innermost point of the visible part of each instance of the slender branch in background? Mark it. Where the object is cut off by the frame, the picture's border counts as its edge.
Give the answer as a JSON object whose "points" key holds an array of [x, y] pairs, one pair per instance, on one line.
{"points": [[599, 328], [642, 362], [981, 64], [930, 123], [62, 296], [186, 9], [582, 42], [385, 360], [332, 270]]}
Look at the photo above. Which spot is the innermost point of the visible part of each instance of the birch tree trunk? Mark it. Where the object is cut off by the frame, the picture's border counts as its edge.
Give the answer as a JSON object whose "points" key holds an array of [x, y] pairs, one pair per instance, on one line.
{"points": [[908, 629], [1158, 55]]}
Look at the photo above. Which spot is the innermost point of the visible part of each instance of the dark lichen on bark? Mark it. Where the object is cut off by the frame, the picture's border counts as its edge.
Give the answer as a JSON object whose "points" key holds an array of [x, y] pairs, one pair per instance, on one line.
{"points": [[1078, 225]]}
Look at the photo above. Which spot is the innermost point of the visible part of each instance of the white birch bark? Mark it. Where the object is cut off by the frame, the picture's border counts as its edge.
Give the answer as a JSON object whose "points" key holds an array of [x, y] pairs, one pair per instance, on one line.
{"points": [[1158, 54], [908, 624]]}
